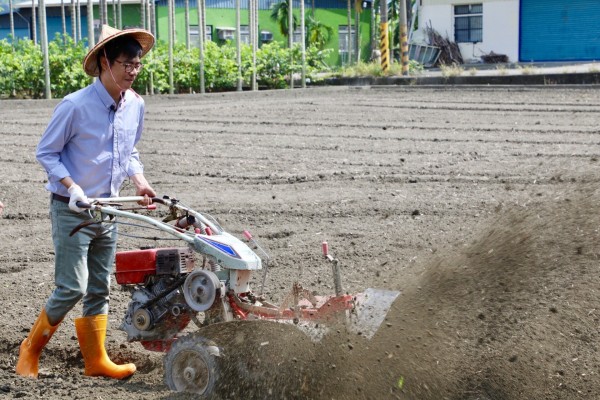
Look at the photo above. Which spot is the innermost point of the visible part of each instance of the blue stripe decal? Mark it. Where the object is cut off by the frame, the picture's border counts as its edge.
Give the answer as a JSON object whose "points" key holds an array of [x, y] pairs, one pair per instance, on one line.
{"points": [[220, 246]]}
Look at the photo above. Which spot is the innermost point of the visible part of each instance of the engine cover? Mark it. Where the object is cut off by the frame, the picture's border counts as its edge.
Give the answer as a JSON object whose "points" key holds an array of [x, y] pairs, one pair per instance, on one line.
{"points": [[136, 266]]}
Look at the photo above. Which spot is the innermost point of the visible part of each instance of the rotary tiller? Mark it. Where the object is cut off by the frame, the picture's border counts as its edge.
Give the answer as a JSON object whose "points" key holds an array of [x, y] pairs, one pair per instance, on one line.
{"points": [[208, 281]]}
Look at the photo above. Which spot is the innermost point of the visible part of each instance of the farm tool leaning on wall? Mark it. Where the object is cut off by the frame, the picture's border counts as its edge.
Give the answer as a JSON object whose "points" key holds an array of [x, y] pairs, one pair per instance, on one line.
{"points": [[170, 287]]}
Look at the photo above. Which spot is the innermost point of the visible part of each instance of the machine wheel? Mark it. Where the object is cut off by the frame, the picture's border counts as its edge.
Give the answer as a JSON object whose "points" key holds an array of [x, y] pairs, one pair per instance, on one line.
{"points": [[191, 366]]}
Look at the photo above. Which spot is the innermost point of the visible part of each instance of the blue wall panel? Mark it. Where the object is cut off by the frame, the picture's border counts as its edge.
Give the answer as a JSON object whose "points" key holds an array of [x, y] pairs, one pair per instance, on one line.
{"points": [[20, 33], [559, 30], [54, 27]]}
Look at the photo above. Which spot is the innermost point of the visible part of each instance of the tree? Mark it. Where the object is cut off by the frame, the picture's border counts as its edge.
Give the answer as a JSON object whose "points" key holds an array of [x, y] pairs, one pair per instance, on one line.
{"points": [[357, 11], [279, 14], [349, 35], [317, 33]]}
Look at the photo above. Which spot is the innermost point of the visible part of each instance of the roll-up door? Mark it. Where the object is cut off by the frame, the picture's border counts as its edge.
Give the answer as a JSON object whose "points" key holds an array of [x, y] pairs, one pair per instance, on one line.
{"points": [[559, 30]]}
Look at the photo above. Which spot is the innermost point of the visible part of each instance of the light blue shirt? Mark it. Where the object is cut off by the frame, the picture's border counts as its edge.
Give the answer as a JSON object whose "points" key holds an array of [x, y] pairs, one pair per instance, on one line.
{"points": [[91, 141]]}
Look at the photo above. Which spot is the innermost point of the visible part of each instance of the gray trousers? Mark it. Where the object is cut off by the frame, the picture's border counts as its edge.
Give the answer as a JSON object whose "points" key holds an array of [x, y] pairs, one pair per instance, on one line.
{"points": [[83, 263]]}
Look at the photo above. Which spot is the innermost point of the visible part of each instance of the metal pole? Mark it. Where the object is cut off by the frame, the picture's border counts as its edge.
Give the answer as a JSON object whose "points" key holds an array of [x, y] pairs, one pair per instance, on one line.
{"points": [[73, 22], [392, 14], [119, 15], [174, 22], [170, 26], [201, 37], [33, 22], [403, 37], [149, 15], [105, 3], [251, 34], [187, 24], [303, 38], [153, 17], [90, 22], [204, 20], [349, 27], [114, 13], [12, 20], [291, 40], [143, 13], [383, 36], [63, 19], [255, 36], [238, 45], [44, 40], [78, 29], [372, 40], [152, 29], [357, 4]]}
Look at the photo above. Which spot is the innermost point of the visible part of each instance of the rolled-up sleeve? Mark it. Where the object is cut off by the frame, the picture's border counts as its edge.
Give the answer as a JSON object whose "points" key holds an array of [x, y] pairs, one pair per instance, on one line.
{"points": [[53, 141]]}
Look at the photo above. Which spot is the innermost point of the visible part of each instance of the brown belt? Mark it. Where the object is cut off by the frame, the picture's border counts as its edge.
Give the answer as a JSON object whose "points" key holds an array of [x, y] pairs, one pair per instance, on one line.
{"points": [[60, 198]]}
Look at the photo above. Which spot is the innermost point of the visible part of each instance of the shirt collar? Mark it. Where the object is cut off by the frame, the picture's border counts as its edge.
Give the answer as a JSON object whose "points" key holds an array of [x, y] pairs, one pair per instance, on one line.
{"points": [[104, 96]]}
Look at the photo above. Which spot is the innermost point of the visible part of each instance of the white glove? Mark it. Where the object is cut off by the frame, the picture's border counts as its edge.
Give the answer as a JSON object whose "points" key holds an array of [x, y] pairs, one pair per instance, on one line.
{"points": [[76, 195]]}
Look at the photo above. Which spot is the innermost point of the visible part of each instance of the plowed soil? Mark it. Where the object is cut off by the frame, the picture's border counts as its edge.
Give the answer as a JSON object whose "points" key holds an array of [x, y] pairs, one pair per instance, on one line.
{"points": [[481, 205]]}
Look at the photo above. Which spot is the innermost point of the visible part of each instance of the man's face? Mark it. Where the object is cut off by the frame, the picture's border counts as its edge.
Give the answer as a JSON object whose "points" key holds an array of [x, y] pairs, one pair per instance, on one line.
{"points": [[125, 70]]}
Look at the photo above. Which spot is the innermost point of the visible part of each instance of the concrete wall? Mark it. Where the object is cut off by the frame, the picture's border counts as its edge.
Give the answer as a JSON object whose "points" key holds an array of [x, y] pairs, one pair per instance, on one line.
{"points": [[500, 26]]}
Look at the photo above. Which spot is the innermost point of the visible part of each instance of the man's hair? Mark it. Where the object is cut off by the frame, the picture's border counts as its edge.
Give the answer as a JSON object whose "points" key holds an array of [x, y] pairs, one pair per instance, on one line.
{"points": [[125, 45]]}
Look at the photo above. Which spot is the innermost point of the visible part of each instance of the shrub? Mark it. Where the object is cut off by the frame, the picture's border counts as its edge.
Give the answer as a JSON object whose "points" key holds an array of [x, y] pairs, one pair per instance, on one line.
{"points": [[22, 71], [66, 60]]}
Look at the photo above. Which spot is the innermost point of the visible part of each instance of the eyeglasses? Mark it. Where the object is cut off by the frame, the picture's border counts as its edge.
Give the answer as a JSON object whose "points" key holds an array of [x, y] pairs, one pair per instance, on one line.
{"points": [[129, 67]]}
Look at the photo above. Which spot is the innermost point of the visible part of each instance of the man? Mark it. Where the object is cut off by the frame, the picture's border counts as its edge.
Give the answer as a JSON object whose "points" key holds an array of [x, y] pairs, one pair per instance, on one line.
{"points": [[1, 207], [88, 149]]}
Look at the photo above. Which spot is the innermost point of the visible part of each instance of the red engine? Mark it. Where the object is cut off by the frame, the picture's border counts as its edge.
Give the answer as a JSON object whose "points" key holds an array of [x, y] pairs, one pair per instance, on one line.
{"points": [[158, 309], [137, 266]]}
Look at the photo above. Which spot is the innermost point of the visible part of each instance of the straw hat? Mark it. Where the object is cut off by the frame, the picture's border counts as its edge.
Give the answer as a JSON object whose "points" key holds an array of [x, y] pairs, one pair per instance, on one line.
{"points": [[90, 63]]}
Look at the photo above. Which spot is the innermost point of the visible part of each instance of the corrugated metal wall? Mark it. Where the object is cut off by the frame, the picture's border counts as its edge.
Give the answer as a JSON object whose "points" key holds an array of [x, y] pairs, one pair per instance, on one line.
{"points": [[262, 4], [54, 26], [20, 33], [559, 30]]}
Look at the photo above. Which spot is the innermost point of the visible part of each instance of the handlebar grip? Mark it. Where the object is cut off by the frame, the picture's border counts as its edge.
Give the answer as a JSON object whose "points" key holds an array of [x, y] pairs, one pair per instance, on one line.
{"points": [[81, 204], [160, 201]]}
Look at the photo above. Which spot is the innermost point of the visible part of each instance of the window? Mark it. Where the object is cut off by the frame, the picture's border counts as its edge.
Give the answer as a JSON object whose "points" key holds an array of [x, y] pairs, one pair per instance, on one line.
{"points": [[468, 23], [343, 38], [297, 36], [194, 39], [225, 33], [245, 34], [266, 36]]}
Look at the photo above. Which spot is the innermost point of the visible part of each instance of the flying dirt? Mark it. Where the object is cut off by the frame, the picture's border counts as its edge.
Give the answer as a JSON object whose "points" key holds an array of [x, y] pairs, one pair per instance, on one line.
{"points": [[478, 205]]}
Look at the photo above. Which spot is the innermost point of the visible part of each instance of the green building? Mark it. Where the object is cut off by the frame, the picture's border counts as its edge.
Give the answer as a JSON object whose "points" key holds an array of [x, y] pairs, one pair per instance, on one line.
{"points": [[221, 22]]}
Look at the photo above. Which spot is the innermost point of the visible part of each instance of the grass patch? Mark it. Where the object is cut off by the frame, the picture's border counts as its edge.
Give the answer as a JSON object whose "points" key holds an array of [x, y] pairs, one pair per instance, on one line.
{"points": [[502, 70], [451, 70], [374, 69]]}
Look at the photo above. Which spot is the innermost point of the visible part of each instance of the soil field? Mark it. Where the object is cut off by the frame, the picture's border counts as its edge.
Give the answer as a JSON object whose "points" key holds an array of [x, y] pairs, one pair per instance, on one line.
{"points": [[481, 205]]}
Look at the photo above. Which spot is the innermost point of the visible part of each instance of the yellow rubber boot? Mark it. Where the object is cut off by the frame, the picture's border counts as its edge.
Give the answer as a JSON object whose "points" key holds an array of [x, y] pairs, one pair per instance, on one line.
{"points": [[91, 332], [32, 345]]}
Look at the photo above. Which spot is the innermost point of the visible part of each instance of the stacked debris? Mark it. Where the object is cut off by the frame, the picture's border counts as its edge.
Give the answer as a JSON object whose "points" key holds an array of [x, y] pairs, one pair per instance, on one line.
{"points": [[449, 51], [493, 58]]}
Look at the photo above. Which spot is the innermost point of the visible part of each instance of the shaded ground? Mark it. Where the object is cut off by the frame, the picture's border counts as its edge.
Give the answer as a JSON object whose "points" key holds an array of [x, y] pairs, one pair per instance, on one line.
{"points": [[479, 205]]}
